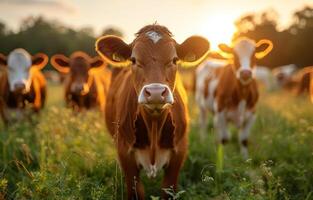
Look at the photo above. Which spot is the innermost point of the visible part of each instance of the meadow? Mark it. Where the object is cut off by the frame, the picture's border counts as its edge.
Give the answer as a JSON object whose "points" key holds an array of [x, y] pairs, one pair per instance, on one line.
{"points": [[61, 155]]}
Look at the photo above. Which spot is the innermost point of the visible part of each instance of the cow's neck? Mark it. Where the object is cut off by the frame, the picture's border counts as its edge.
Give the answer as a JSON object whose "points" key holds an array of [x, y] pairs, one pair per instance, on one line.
{"points": [[154, 127]]}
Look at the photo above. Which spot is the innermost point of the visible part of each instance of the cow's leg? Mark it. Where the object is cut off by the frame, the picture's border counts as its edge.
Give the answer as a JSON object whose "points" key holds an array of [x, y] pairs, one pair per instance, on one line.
{"points": [[244, 133], [203, 122], [171, 172], [220, 124], [3, 113], [135, 190]]}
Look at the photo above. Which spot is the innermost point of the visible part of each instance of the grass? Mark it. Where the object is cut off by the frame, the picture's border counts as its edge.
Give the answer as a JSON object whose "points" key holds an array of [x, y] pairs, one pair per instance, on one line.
{"points": [[59, 155]]}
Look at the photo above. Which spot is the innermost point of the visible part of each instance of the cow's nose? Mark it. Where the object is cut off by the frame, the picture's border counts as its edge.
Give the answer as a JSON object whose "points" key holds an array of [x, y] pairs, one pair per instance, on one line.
{"points": [[19, 86], [245, 74], [79, 88], [156, 94]]}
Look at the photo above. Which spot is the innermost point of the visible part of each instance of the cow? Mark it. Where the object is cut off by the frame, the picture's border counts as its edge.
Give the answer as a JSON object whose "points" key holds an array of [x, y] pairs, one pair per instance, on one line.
{"points": [[146, 105], [265, 77], [87, 80], [311, 87], [284, 76], [303, 78], [188, 74], [21, 83], [231, 92]]}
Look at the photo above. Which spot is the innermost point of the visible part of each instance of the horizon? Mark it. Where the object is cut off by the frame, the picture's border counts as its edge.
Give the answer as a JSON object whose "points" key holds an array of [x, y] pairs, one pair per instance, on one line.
{"points": [[208, 18]]}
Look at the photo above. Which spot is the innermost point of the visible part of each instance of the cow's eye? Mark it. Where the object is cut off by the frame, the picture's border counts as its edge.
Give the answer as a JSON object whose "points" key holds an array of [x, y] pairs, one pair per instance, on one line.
{"points": [[175, 60], [133, 60]]}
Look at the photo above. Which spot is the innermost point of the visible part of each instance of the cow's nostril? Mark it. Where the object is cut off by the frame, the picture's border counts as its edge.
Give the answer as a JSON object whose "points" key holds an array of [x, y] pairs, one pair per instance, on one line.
{"points": [[164, 93], [246, 74], [19, 86], [147, 93]]}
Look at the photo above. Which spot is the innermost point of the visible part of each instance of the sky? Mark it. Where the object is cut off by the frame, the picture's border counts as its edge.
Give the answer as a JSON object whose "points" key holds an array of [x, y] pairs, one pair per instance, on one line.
{"points": [[213, 19]]}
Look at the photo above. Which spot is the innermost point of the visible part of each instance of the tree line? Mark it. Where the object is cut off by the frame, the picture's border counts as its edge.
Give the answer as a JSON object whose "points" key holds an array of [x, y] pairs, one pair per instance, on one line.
{"points": [[37, 34], [292, 45]]}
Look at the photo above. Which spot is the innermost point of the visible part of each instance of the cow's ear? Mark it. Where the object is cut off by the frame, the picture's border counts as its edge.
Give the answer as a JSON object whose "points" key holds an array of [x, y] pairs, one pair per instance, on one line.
{"points": [[3, 60], [226, 51], [97, 62], [61, 63], [192, 51], [114, 51], [263, 47], [40, 60]]}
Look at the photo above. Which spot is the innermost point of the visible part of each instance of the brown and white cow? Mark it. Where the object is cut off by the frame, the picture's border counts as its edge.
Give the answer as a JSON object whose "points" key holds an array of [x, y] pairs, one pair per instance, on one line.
{"points": [[231, 92], [87, 80], [284, 76], [21, 83], [303, 79], [146, 106]]}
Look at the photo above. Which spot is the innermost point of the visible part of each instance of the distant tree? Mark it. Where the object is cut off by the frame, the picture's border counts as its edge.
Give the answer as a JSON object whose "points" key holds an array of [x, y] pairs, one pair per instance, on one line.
{"points": [[36, 34], [259, 26], [3, 29], [302, 31], [112, 31], [292, 45]]}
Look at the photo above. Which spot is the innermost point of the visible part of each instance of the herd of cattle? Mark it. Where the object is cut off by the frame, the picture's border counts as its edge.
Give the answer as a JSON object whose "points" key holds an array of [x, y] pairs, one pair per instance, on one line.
{"points": [[143, 97]]}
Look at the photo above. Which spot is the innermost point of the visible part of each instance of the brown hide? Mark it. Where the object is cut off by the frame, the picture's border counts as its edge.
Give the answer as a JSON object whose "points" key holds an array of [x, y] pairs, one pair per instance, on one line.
{"points": [[230, 91], [131, 125]]}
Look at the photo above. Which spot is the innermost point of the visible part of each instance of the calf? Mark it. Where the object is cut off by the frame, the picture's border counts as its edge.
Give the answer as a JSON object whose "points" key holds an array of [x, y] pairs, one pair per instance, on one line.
{"points": [[146, 105], [231, 92], [87, 80], [21, 83]]}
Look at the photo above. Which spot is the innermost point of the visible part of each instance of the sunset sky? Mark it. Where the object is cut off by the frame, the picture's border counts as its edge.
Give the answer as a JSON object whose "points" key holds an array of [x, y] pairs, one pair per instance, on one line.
{"points": [[211, 18]]}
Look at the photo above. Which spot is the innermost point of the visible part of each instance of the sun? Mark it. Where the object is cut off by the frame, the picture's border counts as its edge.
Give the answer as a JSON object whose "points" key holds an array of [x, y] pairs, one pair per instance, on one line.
{"points": [[218, 28]]}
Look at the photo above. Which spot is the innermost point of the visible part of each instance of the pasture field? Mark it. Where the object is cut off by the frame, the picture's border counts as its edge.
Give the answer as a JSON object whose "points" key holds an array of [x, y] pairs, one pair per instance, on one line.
{"points": [[59, 155]]}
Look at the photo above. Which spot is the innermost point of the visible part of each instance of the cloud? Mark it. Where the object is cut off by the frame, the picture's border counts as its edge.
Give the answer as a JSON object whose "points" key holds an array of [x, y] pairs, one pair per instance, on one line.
{"points": [[50, 4]]}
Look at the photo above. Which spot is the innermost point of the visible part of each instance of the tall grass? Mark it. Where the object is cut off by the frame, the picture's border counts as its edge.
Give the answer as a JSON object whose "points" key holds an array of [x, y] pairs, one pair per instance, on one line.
{"points": [[61, 155]]}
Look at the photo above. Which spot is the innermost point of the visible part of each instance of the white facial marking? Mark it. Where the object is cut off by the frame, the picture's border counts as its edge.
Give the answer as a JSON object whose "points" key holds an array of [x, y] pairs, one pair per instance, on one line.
{"points": [[19, 63], [244, 50], [154, 36], [142, 99]]}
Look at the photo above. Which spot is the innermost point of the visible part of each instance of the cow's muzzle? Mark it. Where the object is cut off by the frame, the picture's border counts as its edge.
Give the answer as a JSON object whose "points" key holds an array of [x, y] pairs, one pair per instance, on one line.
{"points": [[19, 87], [245, 76], [80, 89], [156, 96]]}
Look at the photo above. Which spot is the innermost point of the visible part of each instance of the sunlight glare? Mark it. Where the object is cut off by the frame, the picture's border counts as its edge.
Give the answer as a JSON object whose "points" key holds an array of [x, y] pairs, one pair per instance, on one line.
{"points": [[219, 28]]}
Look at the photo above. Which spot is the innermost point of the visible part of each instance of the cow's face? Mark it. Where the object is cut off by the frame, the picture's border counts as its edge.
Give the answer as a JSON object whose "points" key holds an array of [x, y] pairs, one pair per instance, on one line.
{"points": [[78, 66], [153, 57], [244, 54], [284, 73], [19, 64]]}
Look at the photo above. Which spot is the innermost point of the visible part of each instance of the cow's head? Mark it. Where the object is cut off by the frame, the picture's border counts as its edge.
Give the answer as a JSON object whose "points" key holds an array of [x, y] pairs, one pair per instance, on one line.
{"points": [[244, 53], [153, 57], [78, 66], [19, 64]]}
